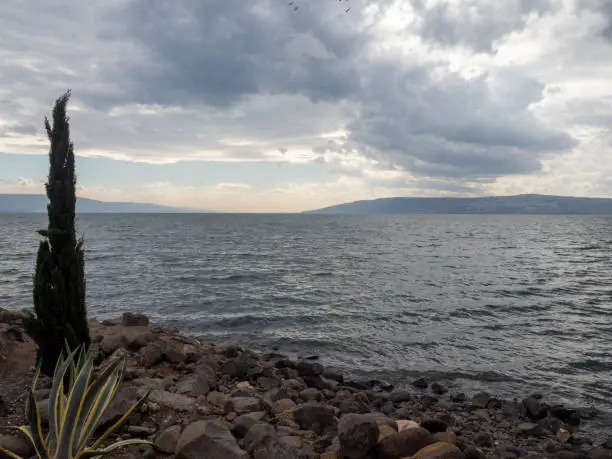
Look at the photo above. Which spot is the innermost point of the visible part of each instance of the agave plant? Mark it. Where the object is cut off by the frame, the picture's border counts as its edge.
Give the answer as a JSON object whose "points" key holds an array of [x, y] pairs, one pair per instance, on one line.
{"points": [[76, 405]]}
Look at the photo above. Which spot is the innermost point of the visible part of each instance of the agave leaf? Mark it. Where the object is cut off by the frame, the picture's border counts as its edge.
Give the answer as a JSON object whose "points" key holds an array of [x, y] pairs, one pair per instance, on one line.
{"points": [[98, 397], [90, 452], [121, 420], [74, 406], [10, 454], [35, 433], [57, 403]]}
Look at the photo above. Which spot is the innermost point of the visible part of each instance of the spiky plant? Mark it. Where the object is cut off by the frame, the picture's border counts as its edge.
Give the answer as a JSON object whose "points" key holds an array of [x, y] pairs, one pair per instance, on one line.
{"points": [[75, 411], [59, 279]]}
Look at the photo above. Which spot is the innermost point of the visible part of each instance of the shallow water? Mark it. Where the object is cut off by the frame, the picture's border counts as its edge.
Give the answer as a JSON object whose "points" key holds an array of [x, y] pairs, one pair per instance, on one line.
{"points": [[512, 304]]}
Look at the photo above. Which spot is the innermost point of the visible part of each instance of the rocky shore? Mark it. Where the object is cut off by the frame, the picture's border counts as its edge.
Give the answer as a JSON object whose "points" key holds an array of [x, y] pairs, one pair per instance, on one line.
{"points": [[214, 402]]}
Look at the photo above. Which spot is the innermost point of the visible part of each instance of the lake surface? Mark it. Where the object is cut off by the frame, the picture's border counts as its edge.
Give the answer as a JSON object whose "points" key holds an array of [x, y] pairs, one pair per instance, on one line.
{"points": [[511, 304]]}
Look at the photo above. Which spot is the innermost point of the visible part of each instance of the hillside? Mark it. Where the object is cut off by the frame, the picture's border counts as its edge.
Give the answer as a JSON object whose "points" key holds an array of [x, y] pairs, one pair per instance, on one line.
{"points": [[520, 204], [34, 203]]}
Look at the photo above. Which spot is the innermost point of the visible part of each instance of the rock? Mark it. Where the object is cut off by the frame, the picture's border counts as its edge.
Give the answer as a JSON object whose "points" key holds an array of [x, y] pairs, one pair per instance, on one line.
{"points": [[152, 354], [399, 397], [481, 400], [473, 453], [600, 453], [381, 420], [174, 354], [311, 395], [268, 383], [404, 444], [527, 428], [329, 455], [17, 444], [243, 423], [329, 373], [124, 399], [439, 450], [420, 383], [384, 431], [563, 435], [608, 443], [567, 415], [405, 424], [262, 443], [218, 400], [565, 454], [167, 440], [458, 398], [438, 388], [141, 431], [354, 404], [173, 401], [130, 319], [284, 404], [320, 382], [208, 440], [434, 425], [446, 437], [483, 439], [291, 441], [358, 435], [534, 408], [309, 368], [193, 386], [241, 405], [314, 416]]}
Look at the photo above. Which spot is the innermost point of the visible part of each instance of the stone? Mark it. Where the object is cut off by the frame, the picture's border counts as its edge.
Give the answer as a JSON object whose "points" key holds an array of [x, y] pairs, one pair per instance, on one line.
{"points": [[600, 453], [291, 441], [314, 416], [434, 425], [404, 444], [381, 420], [167, 440], [405, 424], [17, 444], [141, 431], [244, 422], [438, 388], [171, 400], [124, 399], [311, 395], [320, 382], [174, 354], [608, 443], [241, 405], [534, 408], [267, 383], [446, 437], [152, 354], [130, 319], [284, 404], [567, 415], [330, 373], [309, 368], [481, 400], [563, 435], [193, 386], [439, 450], [218, 400], [262, 442], [400, 397], [358, 435], [473, 453], [420, 383], [458, 397], [483, 439], [208, 440], [384, 431], [527, 428]]}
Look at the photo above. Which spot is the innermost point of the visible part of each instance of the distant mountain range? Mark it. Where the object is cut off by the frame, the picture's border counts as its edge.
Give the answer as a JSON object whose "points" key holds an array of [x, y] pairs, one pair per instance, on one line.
{"points": [[34, 203], [520, 204]]}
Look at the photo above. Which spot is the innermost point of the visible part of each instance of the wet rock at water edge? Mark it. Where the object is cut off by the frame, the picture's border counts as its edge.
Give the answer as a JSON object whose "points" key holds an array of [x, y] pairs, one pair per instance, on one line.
{"points": [[439, 388], [420, 383], [358, 435]]}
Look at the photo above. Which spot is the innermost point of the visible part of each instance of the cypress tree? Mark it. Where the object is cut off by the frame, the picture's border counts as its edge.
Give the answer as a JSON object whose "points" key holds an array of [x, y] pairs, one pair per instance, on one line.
{"points": [[59, 281]]}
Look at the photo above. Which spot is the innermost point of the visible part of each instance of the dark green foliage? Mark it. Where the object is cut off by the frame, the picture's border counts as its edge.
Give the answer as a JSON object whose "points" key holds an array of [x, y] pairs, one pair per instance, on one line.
{"points": [[59, 281]]}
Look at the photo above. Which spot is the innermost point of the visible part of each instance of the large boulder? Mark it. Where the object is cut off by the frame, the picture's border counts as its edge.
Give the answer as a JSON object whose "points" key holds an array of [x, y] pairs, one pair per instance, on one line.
{"points": [[262, 442], [152, 354], [314, 416], [208, 440], [404, 444], [124, 399], [243, 423], [358, 435]]}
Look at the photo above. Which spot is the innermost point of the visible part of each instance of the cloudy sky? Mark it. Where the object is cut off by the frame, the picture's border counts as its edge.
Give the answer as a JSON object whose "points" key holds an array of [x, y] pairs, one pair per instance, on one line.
{"points": [[256, 106]]}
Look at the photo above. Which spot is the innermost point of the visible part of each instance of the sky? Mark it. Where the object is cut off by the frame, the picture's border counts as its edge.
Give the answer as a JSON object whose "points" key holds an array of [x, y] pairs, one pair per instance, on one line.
{"points": [[258, 106]]}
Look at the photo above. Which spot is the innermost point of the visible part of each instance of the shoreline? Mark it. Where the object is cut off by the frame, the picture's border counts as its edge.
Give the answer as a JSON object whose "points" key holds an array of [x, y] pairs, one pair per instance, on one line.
{"points": [[306, 405]]}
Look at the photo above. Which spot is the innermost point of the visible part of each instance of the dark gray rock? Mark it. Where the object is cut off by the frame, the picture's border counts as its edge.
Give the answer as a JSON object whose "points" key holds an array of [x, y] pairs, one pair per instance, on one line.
{"points": [[124, 399], [483, 439], [16, 444], [608, 443], [458, 398], [320, 382], [358, 435], [152, 354], [309, 368], [481, 400], [434, 425], [329, 373], [438, 388], [130, 319], [600, 453], [473, 453], [167, 440], [208, 440], [242, 405], [262, 442], [244, 422], [311, 395], [534, 408], [566, 415], [420, 383], [402, 396], [314, 416]]}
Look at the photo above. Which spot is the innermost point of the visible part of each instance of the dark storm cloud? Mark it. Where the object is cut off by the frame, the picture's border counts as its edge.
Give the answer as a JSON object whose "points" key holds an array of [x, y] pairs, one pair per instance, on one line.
{"points": [[219, 51], [474, 23]]}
